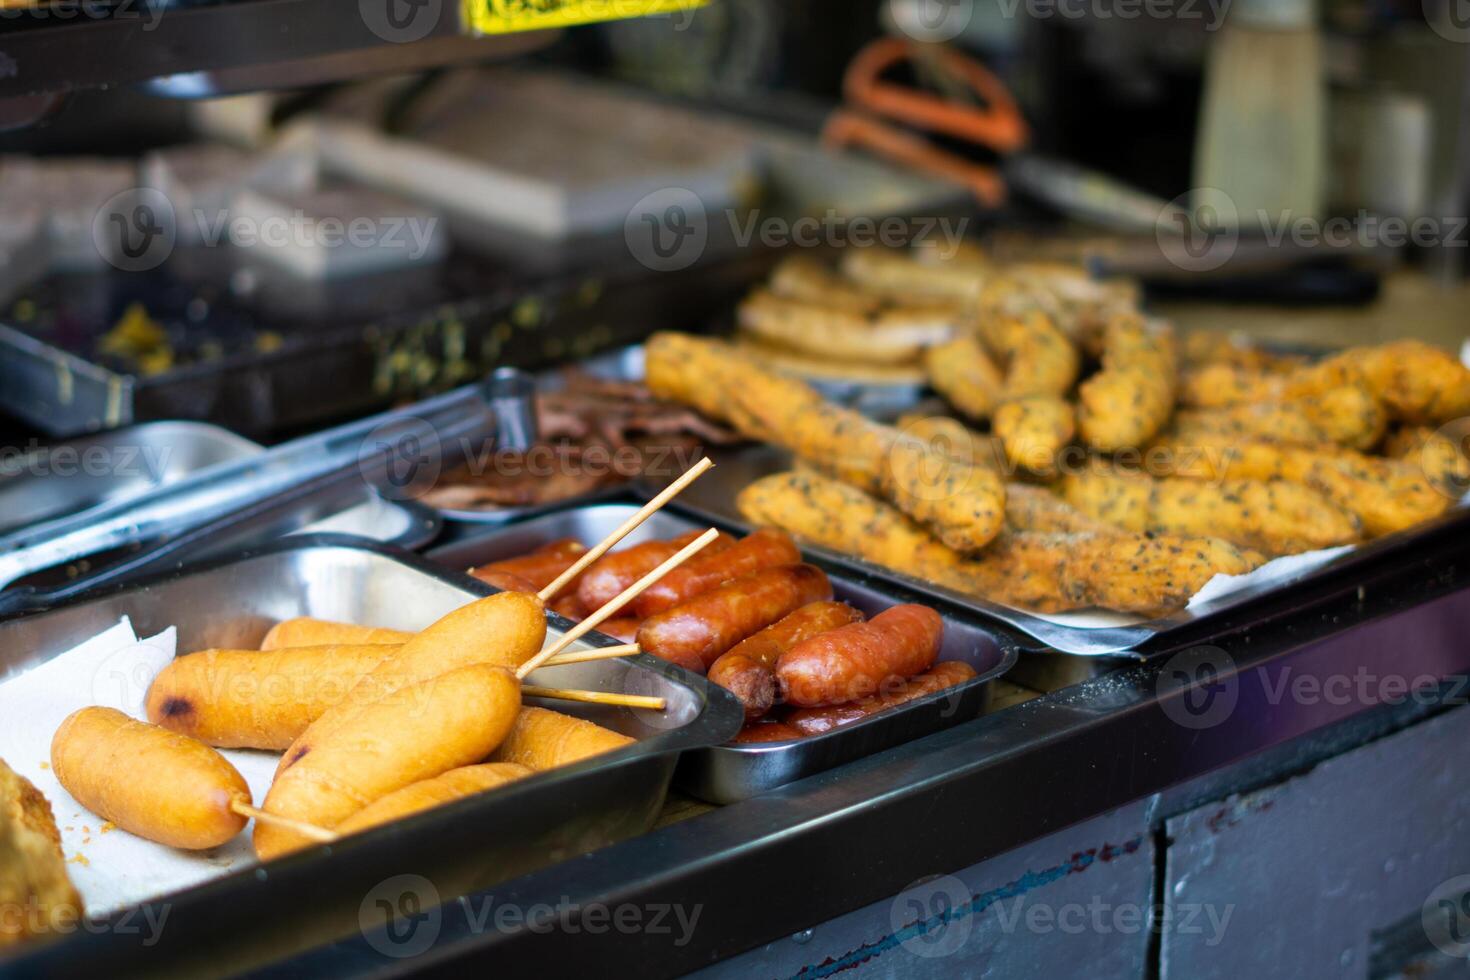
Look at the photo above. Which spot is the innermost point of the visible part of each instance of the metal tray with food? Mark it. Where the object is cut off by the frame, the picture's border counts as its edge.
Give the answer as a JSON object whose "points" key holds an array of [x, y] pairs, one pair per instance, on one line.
{"points": [[105, 468], [537, 819], [727, 773]]}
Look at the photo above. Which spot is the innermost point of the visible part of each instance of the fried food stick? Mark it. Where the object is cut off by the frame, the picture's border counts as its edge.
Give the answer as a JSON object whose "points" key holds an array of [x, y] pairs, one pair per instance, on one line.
{"points": [[1046, 572], [963, 504], [1439, 453], [1039, 358], [1034, 431], [1202, 347], [1276, 517], [1348, 416], [1386, 495], [1416, 383], [1128, 402], [963, 371], [895, 273]]}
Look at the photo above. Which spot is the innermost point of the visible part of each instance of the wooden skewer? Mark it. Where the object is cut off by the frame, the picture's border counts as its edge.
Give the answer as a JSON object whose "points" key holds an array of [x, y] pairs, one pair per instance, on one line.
{"points": [[587, 656], [627, 528], [319, 834], [618, 602], [595, 697]]}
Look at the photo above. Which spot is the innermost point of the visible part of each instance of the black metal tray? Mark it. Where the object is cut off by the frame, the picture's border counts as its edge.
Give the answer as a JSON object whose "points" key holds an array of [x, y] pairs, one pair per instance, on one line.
{"points": [[729, 773], [451, 850]]}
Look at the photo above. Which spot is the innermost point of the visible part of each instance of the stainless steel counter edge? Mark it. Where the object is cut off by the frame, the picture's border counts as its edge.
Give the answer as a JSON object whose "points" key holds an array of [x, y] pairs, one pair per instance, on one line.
{"points": [[759, 870]]}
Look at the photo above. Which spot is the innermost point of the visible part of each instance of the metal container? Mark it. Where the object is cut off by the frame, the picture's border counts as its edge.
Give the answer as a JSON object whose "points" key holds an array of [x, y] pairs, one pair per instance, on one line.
{"points": [[109, 467], [729, 773], [457, 849]]}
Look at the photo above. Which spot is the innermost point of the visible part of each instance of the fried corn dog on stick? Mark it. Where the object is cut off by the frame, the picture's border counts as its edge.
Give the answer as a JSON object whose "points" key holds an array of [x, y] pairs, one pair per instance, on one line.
{"points": [[966, 375], [1386, 495], [885, 337], [543, 739], [963, 504], [1276, 517], [1046, 572], [1034, 431], [1348, 416], [1416, 383], [1130, 400]]}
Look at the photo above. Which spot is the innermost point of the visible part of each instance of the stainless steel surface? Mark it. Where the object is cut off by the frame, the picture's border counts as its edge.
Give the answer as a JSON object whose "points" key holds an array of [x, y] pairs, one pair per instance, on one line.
{"points": [[381, 446], [729, 773], [472, 844], [57, 481], [512, 397]]}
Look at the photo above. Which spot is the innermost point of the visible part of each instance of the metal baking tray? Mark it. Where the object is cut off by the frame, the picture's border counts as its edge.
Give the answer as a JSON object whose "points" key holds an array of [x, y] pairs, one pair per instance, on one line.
{"points": [[713, 497], [73, 477], [314, 897], [730, 773]]}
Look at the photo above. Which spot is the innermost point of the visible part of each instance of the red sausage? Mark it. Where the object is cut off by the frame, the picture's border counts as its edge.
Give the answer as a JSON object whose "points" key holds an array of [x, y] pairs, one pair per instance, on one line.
{"points": [[625, 628], [708, 625], [855, 661], [757, 732], [609, 575], [815, 721], [540, 567], [504, 581], [748, 670], [763, 549], [570, 606]]}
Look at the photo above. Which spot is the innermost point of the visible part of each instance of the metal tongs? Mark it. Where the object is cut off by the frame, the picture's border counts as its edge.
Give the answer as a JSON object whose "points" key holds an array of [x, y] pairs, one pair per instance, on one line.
{"points": [[397, 453]]}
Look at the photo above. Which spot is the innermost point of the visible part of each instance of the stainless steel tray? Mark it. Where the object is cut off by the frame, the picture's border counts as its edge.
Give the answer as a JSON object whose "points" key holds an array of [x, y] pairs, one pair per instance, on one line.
{"points": [[459, 848], [729, 773], [92, 471]]}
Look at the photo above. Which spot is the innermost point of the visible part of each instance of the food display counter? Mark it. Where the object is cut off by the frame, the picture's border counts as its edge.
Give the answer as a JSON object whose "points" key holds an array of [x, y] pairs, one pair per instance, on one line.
{"points": [[733, 540]]}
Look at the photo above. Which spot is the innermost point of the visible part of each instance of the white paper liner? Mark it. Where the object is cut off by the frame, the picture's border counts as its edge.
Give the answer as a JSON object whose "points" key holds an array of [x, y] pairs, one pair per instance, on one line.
{"points": [[111, 868]]}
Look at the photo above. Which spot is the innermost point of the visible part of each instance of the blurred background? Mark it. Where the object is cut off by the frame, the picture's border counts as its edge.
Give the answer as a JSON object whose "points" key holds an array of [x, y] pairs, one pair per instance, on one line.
{"points": [[273, 214]]}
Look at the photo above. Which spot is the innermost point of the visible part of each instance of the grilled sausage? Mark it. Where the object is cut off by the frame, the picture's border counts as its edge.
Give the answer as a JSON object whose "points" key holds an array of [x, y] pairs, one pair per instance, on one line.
{"points": [[504, 581], [149, 781], [763, 549], [815, 721], [856, 661], [540, 567], [748, 669], [624, 628], [605, 578], [708, 625]]}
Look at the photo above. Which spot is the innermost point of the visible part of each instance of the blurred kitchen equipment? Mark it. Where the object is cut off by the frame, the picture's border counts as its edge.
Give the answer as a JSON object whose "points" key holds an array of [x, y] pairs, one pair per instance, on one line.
{"points": [[1262, 136]]}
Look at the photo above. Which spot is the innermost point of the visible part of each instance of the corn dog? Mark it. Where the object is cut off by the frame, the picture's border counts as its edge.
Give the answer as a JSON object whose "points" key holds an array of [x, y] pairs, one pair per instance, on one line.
{"points": [[1272, 516], [149, 781], [303, 631], [248, 699], [504, 630], [420, 731], [542, 739], [456, 784]]}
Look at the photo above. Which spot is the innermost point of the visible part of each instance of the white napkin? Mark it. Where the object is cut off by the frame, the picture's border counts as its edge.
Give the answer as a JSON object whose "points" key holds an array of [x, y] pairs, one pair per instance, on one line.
{"points": [[111, 868]]}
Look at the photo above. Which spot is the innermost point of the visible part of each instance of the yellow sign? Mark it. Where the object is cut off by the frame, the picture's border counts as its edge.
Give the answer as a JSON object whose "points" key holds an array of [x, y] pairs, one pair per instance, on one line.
{"points": [[507, 16]]}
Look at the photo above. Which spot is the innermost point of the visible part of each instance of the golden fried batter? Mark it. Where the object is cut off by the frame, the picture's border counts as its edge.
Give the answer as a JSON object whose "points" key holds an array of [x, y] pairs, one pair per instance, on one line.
{"points": [[1348, 415], [1034, 431], [1272, 516], [36, 896], [1440, 453], [963, 371], [894, 336], [1046, 572], [1039, 358], [1128, 402], [903, 275]]}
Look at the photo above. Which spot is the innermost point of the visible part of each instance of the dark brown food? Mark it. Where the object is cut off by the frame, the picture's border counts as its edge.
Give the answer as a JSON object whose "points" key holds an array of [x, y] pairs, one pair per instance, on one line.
{"points": [[763, 549], [609, 575], [540, 567], [815, 721]]}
